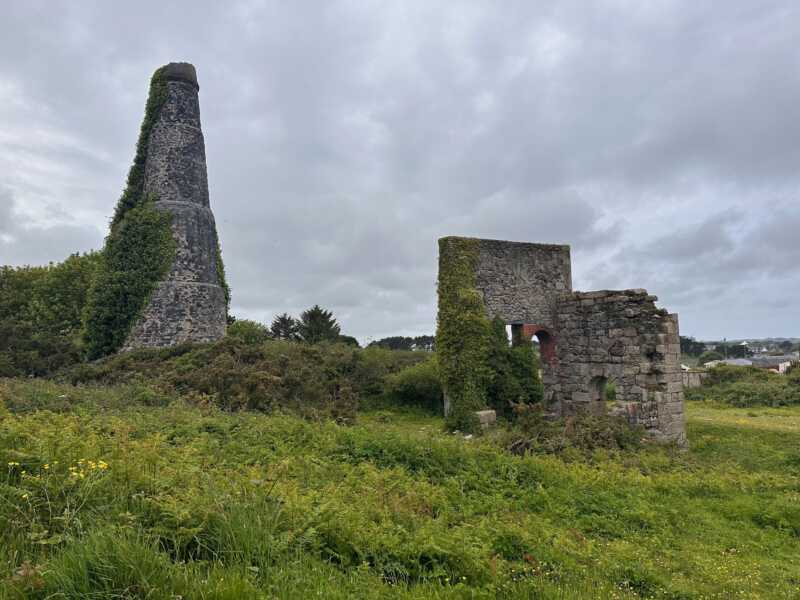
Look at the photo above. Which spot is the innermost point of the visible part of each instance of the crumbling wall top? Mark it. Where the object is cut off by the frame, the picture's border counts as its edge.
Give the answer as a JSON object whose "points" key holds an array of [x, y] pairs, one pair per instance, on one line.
{"points": [[521, 282], [181, 71]]}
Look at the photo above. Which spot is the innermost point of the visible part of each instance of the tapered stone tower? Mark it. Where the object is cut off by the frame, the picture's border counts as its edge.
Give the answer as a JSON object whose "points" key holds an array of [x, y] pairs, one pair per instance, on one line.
{"points": [[190, 303]]}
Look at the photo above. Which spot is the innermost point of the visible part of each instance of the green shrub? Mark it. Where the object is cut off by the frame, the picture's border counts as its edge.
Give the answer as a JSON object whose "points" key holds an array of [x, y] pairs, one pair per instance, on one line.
{"points": [[730, 374], [244, 371], [708, 356], [746, 387], [41, 311], [418, 385], [515, 373], [249, 332]]}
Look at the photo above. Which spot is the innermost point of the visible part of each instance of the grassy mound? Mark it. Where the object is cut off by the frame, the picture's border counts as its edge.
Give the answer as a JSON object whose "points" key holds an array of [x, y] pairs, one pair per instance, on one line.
{"points": [[327, 380]]}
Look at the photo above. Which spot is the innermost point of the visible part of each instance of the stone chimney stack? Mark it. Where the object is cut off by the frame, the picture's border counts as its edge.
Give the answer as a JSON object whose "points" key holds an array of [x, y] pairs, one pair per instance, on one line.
{"points": [[190, 304]]}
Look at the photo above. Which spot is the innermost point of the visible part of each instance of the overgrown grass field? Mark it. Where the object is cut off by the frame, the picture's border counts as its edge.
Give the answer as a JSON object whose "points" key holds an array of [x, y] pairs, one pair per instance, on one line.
{"points": [[105, 493]]}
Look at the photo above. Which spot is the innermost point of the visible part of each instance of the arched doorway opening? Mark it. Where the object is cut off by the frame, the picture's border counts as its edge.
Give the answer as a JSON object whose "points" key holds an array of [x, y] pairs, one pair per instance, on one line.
{"points": [[540, 336]]}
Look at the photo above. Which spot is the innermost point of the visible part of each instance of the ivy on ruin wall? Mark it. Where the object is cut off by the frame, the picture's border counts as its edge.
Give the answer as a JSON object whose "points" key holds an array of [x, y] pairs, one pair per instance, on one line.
{"points": [[223, 280], [138, 252], [463, 333]]}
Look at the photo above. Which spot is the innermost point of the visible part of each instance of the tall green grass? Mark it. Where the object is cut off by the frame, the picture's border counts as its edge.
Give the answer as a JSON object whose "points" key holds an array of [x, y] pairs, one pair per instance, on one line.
{"points": [[109, 492]]}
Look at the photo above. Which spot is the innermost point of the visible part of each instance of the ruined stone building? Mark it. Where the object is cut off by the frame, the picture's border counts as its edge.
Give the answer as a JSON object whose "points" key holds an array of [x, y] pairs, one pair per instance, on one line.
{"points": [[190, 303], [587, 339]]}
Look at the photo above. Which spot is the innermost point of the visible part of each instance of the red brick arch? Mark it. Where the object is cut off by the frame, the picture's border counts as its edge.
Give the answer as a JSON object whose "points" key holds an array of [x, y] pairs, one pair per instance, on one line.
{"points": [[547, 341]]}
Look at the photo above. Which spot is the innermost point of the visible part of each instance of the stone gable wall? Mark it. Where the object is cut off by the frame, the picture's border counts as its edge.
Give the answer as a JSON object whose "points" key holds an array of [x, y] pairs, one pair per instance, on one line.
{"points": [[521, 282]]}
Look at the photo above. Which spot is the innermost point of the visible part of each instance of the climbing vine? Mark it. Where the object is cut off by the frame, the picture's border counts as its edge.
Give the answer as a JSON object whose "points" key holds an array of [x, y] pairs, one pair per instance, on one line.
{"points": [[463, 333], [223, 282], [138, 252], [133, 194]]}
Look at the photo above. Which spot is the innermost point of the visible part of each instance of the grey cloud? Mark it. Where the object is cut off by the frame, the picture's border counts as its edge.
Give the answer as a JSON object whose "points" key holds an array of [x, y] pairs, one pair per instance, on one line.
{"points": [[22, 243], [659, 139]]}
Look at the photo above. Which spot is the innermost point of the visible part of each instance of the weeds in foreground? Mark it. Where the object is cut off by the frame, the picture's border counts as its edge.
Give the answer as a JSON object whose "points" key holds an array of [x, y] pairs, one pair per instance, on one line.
{"points": [[164, 500]]}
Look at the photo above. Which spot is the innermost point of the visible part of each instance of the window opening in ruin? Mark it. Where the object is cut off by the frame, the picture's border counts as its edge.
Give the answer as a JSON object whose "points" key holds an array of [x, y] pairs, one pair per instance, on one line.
{"points": [[603, 395], [546, 345]]}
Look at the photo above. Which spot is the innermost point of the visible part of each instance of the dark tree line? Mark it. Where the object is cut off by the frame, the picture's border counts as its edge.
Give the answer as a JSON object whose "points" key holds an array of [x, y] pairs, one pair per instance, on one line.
{"points": [[691, 346], [399, 342], [314, 325]]}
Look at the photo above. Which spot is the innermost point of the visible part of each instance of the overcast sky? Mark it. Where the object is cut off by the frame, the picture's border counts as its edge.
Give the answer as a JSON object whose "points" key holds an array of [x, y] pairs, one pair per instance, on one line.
{"points": [[661, 140]]}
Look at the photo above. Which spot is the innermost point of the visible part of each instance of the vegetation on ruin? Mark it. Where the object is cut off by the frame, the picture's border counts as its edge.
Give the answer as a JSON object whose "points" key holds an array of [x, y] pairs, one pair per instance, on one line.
{"points": [[748, 386], [86, 306], [133, 195], [138, 254], [463, 333], [223, 280], [477, 367], [138, 251], [114, 491]]}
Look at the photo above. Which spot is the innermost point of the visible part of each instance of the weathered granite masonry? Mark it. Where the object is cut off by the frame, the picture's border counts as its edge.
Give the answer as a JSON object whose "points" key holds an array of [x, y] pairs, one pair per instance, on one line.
{"points": [[190, 304], [588, 339]]}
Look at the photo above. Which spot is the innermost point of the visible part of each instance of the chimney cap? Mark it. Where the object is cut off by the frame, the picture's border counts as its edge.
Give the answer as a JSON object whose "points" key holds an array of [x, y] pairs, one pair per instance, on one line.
{"points": [[181, 71]]}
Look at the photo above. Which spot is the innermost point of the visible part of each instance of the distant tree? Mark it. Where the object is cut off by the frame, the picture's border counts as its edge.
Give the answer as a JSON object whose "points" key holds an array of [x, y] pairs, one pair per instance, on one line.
{"points": [[691, 346], [250, 332], [349, 340], [284, 327], [733, 350], [425, 342], [395, 342], [708, 356], [399, 342], [786, 346], [318, 325]]}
